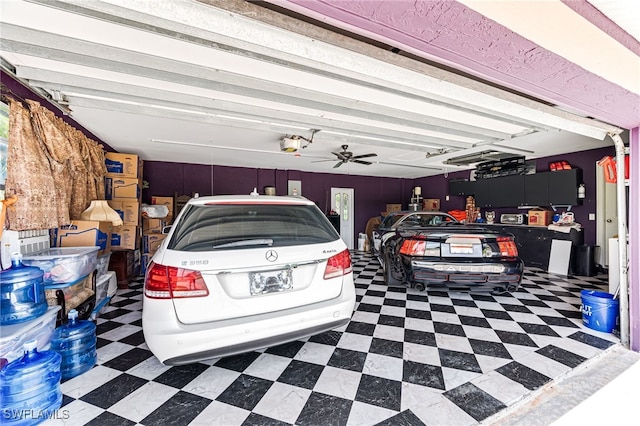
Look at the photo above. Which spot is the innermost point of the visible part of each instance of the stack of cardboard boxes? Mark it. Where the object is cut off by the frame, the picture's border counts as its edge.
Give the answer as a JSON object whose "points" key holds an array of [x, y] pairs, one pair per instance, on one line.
{"points": [[123, 191], [152, 235]]}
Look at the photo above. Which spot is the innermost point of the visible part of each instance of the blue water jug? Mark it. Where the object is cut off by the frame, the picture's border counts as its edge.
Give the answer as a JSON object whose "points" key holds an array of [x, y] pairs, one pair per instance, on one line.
{"points": [[30, 387], [76, 343], [22, 292]]}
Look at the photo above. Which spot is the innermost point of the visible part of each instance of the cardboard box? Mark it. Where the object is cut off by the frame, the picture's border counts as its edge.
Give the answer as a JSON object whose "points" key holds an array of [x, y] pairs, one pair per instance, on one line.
{"points": [[164, 201], [153, 225], [540, 217], [123, 165], [151, 242], [125, 237], [128, 209], [431, 204], [394, 207], [122, 188], [83, 233]]}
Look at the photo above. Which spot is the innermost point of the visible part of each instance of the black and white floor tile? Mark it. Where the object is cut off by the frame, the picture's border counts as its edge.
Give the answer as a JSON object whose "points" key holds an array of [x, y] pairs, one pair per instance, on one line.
{"points": [[406, 358]]}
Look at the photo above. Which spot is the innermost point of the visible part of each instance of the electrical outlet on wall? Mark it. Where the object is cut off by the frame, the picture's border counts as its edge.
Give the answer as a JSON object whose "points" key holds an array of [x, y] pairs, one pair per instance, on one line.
{"points": [[446, 198], [592, 216]]}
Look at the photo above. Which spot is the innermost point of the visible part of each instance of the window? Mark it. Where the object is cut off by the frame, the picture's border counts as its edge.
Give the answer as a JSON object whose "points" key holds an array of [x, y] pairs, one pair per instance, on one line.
{"points": [[243, 226]]}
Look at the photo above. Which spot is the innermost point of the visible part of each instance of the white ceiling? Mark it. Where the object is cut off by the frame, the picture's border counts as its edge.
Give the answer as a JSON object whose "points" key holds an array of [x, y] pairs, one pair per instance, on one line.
{"points": [[185, 82]]}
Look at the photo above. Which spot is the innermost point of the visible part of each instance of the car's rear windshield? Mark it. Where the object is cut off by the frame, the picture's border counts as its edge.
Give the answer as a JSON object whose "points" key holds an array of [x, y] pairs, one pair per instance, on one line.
{"points": [[417, 219], [241, 226]]}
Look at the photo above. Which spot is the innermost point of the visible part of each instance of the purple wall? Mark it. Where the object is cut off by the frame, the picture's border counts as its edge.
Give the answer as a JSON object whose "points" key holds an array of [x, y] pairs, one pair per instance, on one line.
{"points": [[371, 193], [437, 187]]}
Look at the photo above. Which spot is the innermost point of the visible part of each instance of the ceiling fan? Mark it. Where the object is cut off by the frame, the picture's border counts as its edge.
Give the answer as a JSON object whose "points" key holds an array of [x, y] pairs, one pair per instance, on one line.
{"points": [[348, 157]]}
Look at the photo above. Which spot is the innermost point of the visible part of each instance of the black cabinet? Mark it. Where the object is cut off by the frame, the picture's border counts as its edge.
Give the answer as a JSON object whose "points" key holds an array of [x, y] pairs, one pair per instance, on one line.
{"points": [[534, 243], [563, 187], [505, 191], [536, 190], [461, 187], [539, 189], [335, 221]]}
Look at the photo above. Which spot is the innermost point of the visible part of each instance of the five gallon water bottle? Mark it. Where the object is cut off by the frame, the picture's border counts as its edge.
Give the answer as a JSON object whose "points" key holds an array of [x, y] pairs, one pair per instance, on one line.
{"points": [[22, 296], [76, 343], [30, 387]]}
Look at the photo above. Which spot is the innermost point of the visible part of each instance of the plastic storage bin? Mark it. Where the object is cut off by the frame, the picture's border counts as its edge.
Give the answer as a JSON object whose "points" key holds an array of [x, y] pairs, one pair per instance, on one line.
{"points": [[102, 285], [78, 289], [22, 295], [13, 337], [30, 387], [103, 263], [113, 284], [76, 343], [64, 264]]}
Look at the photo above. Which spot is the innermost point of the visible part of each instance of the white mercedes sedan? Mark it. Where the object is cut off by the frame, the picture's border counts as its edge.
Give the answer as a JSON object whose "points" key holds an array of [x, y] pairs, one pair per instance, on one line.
{"points": [[240, 273]]}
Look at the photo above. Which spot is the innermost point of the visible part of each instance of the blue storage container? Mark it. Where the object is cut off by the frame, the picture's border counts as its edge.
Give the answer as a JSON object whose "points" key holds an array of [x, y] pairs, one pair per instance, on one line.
{"points": [[76, 343], [30, 387], [22, 296]]}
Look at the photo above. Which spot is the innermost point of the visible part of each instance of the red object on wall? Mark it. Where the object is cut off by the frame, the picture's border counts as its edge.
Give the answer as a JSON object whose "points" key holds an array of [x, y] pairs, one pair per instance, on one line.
{"points": [[610, 166], [627, 168]]}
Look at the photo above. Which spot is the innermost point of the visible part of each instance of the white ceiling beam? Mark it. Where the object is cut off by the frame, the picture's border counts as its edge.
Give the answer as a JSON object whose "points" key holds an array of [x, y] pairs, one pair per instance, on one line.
{"points": [[67, 83], [48, 46], [371, 139], [188, 18]]}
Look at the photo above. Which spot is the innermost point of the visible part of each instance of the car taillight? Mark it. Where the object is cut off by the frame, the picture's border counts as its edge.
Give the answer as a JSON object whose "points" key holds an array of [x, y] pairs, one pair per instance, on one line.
{"points": [[413, 247], [507, 247], [338, 265], [420, 247], [165, 282]]}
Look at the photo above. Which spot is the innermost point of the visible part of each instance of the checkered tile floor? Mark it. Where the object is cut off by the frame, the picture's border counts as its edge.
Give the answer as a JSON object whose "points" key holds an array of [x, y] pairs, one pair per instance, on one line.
{"points": [[406, 358]]}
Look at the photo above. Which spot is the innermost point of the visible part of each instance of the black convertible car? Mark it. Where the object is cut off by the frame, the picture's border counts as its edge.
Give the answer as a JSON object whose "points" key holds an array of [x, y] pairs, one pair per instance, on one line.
{"points": [[421, 249]]}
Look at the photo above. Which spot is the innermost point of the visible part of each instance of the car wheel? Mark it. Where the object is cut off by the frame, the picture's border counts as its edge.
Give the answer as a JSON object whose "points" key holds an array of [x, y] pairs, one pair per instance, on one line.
{"points": [[389, 279]]}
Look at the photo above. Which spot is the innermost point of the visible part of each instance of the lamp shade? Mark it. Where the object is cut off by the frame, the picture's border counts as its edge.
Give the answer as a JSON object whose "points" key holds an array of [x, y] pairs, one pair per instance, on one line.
{"points": [[101, 211]]}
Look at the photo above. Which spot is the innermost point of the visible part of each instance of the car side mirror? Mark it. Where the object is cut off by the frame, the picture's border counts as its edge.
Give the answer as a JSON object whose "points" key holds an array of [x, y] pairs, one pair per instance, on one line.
{"points": [[166, 229]]}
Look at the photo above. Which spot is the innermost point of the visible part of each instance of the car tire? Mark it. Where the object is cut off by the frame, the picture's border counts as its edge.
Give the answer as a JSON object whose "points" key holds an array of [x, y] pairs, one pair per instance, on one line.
{"points": [[389, 279]]}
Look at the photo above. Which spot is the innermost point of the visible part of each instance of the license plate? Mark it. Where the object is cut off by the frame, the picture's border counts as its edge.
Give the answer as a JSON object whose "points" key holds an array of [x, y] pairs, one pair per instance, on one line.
{"points": [[270, 282], [461, 248]]}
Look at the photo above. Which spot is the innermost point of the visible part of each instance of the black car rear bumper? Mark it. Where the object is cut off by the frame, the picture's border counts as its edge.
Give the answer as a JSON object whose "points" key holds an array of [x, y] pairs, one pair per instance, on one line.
{"points": [[460, 272]]}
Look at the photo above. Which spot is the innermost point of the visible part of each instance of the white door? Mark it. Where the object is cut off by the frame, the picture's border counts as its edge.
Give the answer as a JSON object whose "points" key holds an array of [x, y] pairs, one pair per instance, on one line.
{"points": [[606, 215], [342, 203]]}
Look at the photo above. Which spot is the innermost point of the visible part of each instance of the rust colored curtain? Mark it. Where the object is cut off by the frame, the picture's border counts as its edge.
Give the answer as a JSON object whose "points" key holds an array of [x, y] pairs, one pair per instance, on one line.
{"points": [[54, 169], [51, 134], [28, 175]]}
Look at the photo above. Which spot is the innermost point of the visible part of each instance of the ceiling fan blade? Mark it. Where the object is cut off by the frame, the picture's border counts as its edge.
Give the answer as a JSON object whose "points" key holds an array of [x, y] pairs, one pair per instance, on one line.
{"points": [[361, 162], [340, 155], [364, 156], [322, 161], [338, 164]]}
